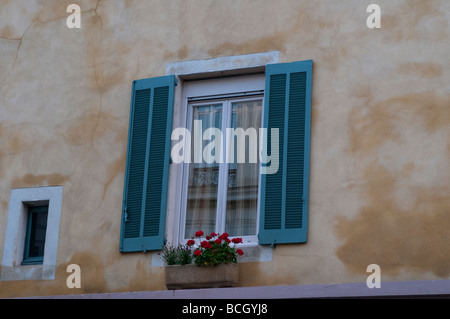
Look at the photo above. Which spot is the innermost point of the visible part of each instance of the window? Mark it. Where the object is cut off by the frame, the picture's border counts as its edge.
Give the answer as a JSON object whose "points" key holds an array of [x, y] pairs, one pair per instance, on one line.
{"points": [[222, 196], [32, 233], [244, 199], [35, 236]]}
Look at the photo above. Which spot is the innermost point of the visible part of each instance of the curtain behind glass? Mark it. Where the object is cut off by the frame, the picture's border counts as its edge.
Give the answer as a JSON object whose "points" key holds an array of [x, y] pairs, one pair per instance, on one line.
{"points": [[203, 178], [242, 178], [242, 192]]}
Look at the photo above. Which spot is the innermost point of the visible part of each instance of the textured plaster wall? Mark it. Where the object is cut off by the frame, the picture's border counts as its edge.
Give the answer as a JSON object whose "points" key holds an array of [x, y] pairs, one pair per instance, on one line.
{"points": [[380, 168]]}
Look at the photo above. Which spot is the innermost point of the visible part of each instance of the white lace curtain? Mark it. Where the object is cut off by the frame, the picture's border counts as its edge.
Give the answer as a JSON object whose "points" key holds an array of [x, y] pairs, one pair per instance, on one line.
{"points": [[206, 209]]}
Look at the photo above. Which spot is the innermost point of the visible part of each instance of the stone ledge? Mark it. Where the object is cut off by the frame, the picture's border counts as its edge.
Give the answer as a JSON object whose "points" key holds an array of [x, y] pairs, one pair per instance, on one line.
{"points": [[406, 289]]}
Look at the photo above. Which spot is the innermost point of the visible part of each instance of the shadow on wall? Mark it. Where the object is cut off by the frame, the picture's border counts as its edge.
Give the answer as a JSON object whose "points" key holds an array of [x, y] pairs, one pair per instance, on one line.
{"points": [[413, 237]]}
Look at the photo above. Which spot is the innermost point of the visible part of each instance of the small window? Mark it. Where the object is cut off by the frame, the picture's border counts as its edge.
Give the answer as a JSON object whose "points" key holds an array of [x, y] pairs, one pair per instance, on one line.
{"points": [[32, 232], [35, 235]]}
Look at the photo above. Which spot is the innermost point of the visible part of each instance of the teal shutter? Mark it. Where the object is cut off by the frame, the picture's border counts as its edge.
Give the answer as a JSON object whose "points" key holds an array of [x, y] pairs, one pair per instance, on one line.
{"points": [[284, 195], [147, 169]]}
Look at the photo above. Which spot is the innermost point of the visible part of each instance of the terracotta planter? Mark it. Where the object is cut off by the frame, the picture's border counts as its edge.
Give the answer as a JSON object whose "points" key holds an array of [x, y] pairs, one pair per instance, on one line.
{"points": [[196, 277]]}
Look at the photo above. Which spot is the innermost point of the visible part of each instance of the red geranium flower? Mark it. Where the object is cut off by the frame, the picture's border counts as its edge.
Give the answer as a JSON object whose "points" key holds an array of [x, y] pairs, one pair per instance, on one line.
{"points": [[218, 241], [206, 244], [223, 236], [199, 233], [213, 234], [240, 252], [190, 242], [198, 252], [237, 240]]}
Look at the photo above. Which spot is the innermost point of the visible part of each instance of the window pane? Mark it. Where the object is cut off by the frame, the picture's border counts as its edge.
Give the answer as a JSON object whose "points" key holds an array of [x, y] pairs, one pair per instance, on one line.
{"points": [[243, 176], [203, 178], [38, 229]]}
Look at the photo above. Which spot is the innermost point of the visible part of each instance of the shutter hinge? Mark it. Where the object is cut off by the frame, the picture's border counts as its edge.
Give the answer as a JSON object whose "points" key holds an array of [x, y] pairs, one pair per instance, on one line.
{"points": [[273, 244]]}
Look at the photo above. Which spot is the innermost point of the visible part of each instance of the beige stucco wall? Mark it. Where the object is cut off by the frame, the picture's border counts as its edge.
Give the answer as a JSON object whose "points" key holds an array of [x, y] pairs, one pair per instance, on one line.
{"points": [[380, 171]]}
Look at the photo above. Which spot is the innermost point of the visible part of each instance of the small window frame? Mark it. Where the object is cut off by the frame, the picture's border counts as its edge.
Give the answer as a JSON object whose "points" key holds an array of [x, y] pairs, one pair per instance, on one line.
{"points": [[13, 248], [27, 259]]}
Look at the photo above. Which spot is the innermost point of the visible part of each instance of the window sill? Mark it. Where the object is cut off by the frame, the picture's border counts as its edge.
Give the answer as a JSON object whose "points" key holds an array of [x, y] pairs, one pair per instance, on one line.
{"points": [[254, 252], [37, 261], [27, 272]]}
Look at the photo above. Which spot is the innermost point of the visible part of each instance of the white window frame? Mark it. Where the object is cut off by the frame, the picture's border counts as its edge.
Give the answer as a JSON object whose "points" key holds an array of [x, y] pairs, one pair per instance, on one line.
{"points": [[223, 169], [211, 88], [13, 251]]}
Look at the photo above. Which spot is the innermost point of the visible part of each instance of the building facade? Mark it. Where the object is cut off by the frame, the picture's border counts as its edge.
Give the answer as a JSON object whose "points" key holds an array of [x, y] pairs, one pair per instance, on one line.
{"points": [[102, 103]]}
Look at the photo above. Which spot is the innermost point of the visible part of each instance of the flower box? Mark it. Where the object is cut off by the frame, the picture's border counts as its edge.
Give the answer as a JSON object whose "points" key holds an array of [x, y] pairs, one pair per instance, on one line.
{"points": [[196, 277]]}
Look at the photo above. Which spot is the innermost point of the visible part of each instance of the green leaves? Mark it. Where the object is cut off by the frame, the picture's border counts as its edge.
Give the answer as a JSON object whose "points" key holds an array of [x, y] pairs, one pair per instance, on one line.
{"points": [[180, 255], [215, 254]]}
